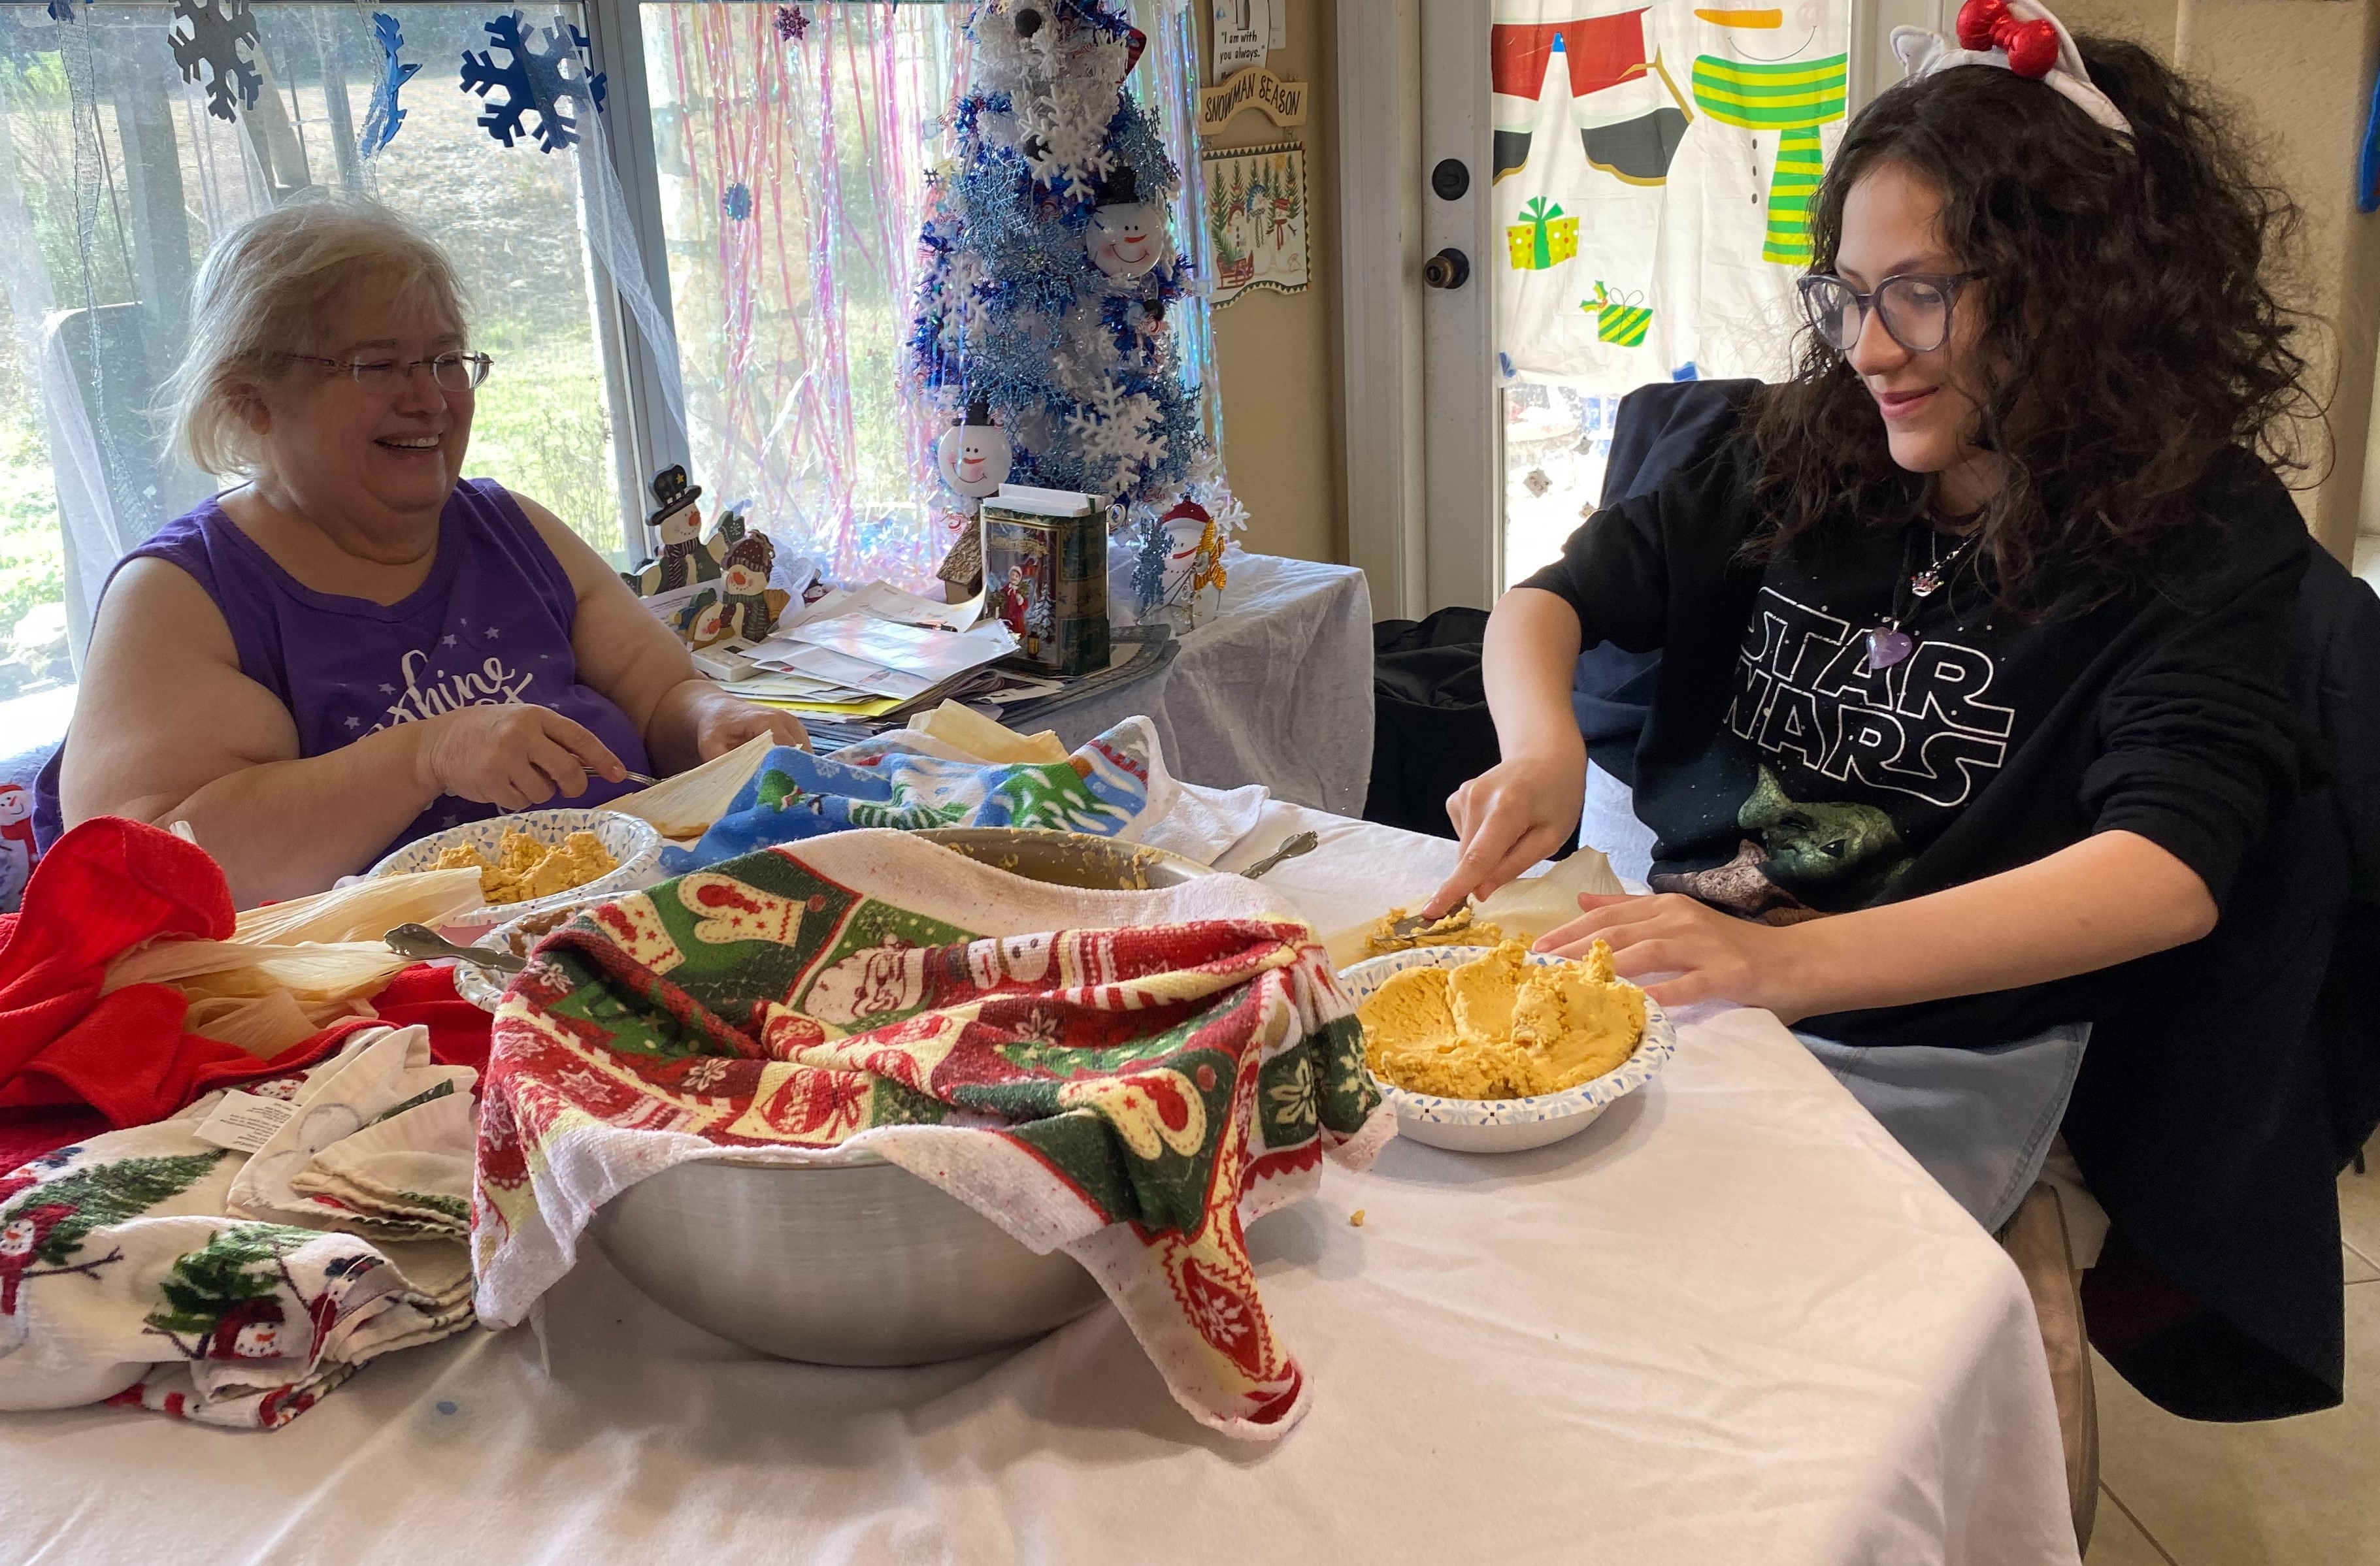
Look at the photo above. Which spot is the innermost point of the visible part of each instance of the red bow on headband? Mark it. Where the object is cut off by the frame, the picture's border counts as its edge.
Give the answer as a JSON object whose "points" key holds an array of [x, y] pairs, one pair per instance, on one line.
{"points": [[2032, 46]]}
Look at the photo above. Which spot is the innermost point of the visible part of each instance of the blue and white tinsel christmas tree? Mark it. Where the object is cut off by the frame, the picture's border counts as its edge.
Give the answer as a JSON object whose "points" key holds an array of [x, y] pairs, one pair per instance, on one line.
{"points": [[1051, 281]]}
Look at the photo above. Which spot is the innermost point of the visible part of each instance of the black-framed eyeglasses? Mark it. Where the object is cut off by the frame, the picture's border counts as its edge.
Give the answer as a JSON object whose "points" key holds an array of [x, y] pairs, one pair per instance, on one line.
{"points": [[452, 372], [1915, 307]]}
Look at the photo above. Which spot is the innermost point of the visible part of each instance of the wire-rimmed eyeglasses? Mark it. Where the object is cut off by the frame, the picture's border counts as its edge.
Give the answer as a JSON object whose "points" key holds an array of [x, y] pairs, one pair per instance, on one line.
{"points": [[1915, 307], [452, 372]]}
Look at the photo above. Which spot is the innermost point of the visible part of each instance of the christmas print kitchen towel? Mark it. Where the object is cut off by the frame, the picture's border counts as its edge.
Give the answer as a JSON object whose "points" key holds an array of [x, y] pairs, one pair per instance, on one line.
{"points": [[1130, 1077], [1116, 786], [153, 1268]]}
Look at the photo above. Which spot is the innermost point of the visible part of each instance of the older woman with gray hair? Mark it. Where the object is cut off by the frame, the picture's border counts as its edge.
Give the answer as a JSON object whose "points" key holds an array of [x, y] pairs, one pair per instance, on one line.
{"points": [[357, 646]]}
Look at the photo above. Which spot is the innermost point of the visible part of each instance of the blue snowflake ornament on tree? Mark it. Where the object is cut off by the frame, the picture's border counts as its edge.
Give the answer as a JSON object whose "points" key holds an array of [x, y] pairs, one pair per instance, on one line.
{"points": [[381, 125], [736, 201], [217, 30], [548, 72]]}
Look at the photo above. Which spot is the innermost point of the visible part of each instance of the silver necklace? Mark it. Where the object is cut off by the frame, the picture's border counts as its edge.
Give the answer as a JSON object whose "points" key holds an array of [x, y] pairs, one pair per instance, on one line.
{"points": [[1889, 644]]}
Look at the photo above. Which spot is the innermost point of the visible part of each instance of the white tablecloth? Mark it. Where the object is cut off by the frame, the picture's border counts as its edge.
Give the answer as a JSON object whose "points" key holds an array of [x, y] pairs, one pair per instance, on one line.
{"points": [[1729, 1322], [1277, 689]]}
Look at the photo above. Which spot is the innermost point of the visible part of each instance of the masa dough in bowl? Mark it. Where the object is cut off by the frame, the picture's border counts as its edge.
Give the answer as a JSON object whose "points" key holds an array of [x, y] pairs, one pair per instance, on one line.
{"points": [[1501, 1027]]}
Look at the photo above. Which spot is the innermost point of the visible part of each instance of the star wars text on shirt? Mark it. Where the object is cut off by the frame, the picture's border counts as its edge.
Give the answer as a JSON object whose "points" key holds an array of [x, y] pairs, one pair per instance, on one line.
{"points": [[1920, 727]]}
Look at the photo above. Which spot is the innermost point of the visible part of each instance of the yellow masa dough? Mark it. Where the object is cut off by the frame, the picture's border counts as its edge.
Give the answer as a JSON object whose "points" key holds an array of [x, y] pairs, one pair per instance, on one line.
{"points": [[1459, 927], [1502, 1027], [526, 869]]}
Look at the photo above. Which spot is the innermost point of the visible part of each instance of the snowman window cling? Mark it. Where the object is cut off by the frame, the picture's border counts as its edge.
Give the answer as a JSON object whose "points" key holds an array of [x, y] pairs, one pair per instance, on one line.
{"points": [[1126, 235], [974, 454]]}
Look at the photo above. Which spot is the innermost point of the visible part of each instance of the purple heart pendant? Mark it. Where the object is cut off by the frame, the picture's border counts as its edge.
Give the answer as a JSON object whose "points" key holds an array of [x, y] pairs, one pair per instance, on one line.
{"points": [[1888, 646]]}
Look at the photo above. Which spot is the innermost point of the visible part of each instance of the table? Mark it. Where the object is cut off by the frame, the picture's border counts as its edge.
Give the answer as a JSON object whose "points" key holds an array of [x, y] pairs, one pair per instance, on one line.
{"points": [[1277, 689], [1729, 1322]]}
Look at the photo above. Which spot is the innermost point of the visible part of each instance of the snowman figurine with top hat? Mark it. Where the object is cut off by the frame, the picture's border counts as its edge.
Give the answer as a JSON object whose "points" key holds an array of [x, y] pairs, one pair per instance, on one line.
{"points": [[682, 560]]}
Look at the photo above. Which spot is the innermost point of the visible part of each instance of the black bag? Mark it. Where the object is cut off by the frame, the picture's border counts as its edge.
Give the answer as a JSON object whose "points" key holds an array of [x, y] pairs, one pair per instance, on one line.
{"points": [[1431, 733]]}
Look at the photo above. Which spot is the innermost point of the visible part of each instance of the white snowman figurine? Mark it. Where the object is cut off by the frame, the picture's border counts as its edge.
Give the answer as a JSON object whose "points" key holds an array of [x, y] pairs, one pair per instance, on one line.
{"points": [[1126, 236], [975, 455], [16, 843]]}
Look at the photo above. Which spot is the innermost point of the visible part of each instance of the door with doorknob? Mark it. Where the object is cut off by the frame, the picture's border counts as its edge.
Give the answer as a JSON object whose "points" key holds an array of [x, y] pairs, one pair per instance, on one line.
{"points": [[1614, 195]]}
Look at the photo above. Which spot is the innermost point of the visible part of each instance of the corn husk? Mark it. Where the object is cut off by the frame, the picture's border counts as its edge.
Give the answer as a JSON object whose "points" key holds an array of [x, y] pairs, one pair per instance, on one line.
{"points": [[687, 805], [366, 911], [315, 974], [264, 1025], [971, 732]]}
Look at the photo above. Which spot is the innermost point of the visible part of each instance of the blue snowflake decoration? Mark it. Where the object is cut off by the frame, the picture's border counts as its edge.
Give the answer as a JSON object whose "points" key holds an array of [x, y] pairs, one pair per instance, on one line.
{"points": [[218, 30], [736, 202], [791, 25], [381, 125], [548, 72]]}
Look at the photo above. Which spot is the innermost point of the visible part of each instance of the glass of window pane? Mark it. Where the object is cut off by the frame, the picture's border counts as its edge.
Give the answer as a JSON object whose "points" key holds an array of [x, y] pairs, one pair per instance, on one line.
{"points": [[115, 180], [1557, 440]]}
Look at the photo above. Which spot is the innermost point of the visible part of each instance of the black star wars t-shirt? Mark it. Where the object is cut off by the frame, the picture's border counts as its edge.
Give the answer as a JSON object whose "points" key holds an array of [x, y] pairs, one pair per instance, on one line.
{"points": [[1786, 779]]}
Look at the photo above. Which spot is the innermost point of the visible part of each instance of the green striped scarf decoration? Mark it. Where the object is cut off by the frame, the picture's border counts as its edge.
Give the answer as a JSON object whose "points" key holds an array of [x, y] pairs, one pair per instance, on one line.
{"points": [[1792, 98]]}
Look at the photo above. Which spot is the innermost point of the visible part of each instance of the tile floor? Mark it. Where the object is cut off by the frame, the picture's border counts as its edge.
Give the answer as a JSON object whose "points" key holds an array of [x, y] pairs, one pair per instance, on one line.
{"points": [[2293, 1492]]}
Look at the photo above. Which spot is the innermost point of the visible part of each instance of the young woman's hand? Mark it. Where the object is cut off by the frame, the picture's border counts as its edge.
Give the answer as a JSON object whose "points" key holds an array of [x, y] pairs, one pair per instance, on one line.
{"points": [[1509, 818], [512, 756], [1715, 955]]}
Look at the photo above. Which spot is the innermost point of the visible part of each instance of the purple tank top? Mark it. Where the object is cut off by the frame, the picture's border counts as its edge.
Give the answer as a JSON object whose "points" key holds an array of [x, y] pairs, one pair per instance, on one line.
{"points": [[491, 625]]}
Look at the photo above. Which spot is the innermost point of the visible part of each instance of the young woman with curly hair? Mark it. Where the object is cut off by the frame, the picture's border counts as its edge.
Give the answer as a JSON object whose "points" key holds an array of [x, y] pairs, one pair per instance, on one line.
{"points": [[1973, 633]]}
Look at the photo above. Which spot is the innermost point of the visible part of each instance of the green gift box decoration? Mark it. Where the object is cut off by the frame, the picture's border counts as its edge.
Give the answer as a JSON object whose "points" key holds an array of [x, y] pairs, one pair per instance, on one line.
{"points": [[1622, 321], [1542, 236]]}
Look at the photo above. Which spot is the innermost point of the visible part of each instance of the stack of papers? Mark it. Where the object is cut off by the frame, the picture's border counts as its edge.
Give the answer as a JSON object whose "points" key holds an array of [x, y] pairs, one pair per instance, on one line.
{"points": [[864, 652]]}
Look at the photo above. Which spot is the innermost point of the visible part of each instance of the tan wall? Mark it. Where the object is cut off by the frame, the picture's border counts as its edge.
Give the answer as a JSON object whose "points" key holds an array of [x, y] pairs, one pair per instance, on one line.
{"points": [[2300, 74], [1278, 352]]}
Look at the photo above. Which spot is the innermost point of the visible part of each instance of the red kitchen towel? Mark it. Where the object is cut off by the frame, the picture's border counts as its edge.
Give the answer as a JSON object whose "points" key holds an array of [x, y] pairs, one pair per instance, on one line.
{"points": [[103, 889], [424, 993]]}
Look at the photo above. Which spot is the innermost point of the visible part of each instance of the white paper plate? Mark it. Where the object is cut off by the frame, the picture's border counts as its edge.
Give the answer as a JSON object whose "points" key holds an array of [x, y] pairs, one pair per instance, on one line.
{"points": [[635, 844], [1506, 1125]]}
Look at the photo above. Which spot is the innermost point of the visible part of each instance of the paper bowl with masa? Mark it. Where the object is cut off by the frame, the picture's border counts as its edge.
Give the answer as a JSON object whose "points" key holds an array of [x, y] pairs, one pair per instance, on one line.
{"points": [[633, 845], [1505, 1126]]}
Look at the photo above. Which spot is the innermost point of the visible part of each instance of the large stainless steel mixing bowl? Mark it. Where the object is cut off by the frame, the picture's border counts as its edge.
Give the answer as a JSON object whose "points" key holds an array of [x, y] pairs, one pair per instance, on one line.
{"points": [[865, 1263], [1070, 858], [860, 1264]]}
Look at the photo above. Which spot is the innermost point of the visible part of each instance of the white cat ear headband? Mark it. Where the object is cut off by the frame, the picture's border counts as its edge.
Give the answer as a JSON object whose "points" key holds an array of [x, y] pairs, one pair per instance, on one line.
{"points": [[2015, 35]]}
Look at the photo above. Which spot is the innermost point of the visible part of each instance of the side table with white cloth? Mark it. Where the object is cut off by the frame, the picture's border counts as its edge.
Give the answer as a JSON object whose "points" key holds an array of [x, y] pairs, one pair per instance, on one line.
{"points": [[1276, 688], [1730, 1322]]}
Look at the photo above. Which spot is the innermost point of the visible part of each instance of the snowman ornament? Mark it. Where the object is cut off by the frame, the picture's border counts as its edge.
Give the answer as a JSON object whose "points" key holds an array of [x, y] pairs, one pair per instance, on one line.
{"points": [[1126, 235], [973, 455]]}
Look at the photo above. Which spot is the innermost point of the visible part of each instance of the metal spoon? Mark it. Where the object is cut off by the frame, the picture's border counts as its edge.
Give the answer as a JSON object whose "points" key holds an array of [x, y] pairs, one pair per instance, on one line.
{"points": [[1412, 925], [421, 942], [1303, 843]]}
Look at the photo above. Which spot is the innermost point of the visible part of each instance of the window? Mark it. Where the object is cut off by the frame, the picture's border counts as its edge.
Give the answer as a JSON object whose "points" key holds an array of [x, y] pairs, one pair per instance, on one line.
{"points": [[719, 272], [113, 180]]}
